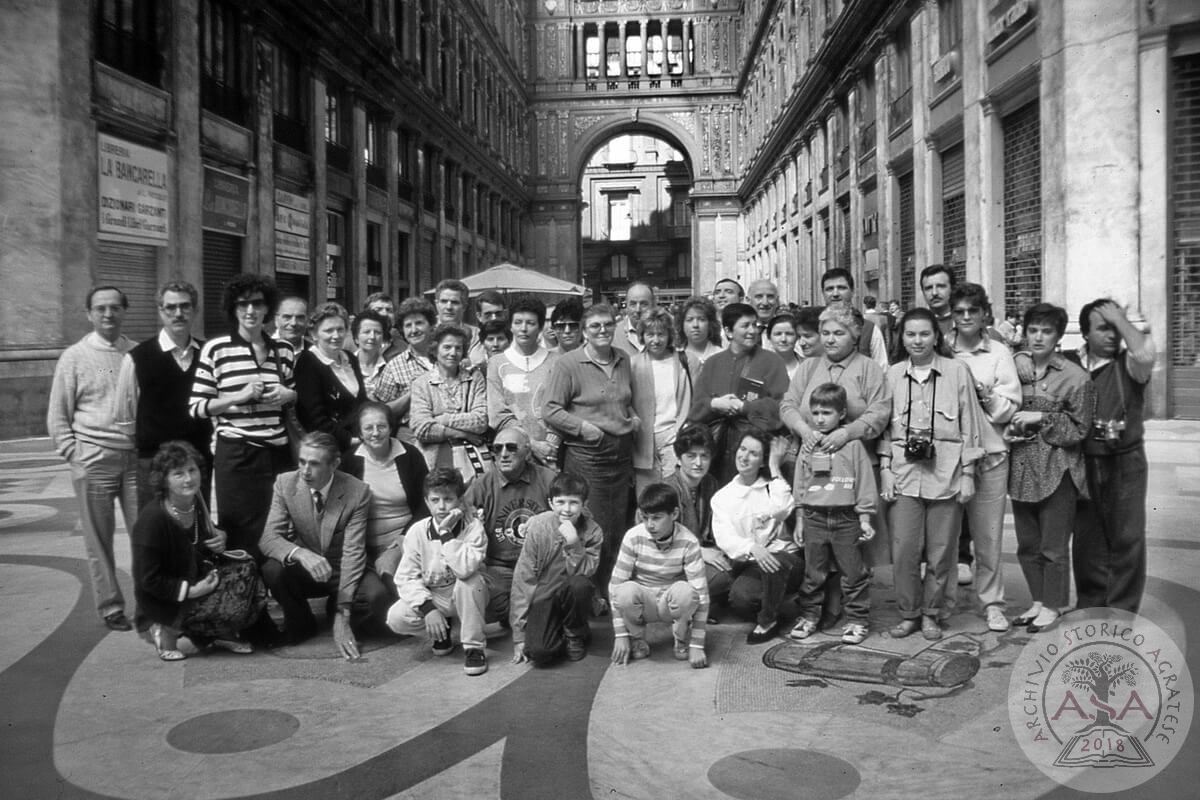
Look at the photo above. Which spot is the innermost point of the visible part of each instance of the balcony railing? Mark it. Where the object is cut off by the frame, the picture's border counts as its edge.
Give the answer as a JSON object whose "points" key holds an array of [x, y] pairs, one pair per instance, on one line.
{"points": [[376, 176], [291, 132], [337, 156], [823, 179], [133, 56], [223, 99], [841, 162], [404, 189], [429, 200]]}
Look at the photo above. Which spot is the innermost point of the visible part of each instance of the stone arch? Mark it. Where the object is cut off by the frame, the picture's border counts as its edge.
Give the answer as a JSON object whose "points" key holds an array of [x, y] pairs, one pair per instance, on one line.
{"points": [[648, 123]]}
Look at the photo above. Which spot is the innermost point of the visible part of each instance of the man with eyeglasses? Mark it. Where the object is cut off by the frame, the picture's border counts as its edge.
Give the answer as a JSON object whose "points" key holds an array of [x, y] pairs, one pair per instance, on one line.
{"points": [[516, 377], [505, 498], [155, 385], [82, 424]]}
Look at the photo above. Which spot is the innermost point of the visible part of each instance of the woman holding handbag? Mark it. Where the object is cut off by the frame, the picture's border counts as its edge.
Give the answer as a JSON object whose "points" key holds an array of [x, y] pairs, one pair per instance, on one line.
{"points": [[185, 582], [449, 407]]}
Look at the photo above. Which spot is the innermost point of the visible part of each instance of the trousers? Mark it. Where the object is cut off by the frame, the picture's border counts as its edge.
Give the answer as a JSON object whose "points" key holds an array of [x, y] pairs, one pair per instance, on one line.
{"points": [[1109, 548], [101, 477]]}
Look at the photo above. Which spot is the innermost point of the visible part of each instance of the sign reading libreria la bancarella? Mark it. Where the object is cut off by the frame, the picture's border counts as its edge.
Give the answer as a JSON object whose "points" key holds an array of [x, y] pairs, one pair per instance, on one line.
{"points": [[133, 190]]}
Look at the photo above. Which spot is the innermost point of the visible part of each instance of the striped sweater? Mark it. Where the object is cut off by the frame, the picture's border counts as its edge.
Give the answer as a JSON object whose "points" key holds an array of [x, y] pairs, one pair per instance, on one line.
{"points": [[227, 364], [642, 560]]}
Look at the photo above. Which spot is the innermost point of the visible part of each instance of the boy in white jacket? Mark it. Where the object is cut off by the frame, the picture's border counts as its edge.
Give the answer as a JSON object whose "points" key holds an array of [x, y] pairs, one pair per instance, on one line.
{"points": [[439, 575]]}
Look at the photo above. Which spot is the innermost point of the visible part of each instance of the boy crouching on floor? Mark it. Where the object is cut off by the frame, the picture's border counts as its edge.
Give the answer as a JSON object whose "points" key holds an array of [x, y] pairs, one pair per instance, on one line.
{"points": [[439, 575], [552, 588], [659, 577]]}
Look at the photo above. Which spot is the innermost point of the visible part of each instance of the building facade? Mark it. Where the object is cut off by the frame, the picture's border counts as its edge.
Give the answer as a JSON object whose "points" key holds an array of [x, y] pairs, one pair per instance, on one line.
{"points": [[1044, 149]]}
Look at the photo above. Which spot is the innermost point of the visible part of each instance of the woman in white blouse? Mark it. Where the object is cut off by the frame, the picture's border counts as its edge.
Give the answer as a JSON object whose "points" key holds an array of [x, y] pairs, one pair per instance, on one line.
{"points": [[748, 517], [667, 374], [329, 384]]}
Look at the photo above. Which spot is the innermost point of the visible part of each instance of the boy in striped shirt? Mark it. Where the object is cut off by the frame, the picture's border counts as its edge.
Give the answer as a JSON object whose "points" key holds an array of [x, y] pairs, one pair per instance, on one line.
{"points": [[659, 577]]}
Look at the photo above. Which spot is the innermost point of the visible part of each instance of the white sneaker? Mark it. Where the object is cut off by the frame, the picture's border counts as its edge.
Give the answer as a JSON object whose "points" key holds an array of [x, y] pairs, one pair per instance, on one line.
{"points": [[996, 621], [965, 574], [854, 633]]}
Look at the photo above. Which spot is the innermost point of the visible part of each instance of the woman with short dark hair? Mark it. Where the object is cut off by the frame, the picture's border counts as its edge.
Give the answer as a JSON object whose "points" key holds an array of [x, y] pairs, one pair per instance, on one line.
{"points": [[175, 547], [1047, 472]]}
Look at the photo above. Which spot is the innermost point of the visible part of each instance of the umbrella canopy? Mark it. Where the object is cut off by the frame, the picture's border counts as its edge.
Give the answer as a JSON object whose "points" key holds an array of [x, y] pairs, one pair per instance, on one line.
{"points": [[511, 279]]}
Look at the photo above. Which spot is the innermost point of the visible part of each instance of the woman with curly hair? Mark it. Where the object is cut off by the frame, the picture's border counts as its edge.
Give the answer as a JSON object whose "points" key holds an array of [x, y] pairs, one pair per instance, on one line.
{"points": [[175, 549]]}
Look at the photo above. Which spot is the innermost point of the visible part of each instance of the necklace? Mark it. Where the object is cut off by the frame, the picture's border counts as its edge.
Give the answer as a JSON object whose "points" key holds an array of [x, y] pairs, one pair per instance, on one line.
{"points": [[178, 512], [592, 355]]}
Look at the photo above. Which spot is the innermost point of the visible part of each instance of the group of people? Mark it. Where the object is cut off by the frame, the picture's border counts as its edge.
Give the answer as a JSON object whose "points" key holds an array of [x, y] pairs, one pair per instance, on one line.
{"points": [[542, 469]]}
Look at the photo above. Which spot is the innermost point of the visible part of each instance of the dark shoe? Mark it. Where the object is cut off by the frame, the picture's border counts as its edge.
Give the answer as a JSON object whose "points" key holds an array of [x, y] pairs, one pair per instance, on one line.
{"points": [[444, 647], [1044, 625], [905, 627], [475, 662], [576, 648], [1024, 620], [758, 637], [117, 621]]}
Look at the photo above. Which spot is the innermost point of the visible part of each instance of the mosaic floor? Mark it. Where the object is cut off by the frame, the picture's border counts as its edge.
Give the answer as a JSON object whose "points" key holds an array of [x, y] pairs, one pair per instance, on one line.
{"points": [[93, 714]]}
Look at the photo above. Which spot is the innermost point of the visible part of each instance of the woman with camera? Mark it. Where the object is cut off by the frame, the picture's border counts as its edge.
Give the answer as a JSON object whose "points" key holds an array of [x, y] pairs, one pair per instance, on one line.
{"points": [[1047, 472], [928, 472]]}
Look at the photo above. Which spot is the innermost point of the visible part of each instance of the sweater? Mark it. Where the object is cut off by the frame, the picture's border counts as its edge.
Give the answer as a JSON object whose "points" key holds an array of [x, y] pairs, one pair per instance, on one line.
{"points": [[656, 567], [516, 390], [645, 402], [505, 507], [579, 390], [166, 563], [547, 562], [849, 482], [82, 396], [227, 365]]}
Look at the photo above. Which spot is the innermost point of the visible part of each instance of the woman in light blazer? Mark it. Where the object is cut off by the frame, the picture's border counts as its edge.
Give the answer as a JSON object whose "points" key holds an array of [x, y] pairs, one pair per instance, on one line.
{"points": [[666, 374]]}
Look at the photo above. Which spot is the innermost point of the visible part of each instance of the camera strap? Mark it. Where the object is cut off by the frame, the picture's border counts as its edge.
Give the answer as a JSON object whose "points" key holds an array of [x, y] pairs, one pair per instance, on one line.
{"points": [[932, 403]]}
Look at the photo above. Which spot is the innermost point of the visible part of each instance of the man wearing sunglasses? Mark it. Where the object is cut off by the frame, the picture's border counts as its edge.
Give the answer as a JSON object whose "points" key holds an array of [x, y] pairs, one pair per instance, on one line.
{"points": [[505, 497], [155, 385]]}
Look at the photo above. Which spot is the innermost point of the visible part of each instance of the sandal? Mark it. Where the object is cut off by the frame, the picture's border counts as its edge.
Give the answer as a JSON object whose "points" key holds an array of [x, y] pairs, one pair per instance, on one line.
{"points": [[234, 646], [165, 653]]}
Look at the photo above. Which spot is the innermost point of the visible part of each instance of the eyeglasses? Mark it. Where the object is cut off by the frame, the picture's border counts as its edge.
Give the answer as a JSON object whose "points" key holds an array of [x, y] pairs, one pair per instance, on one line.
{"points": [[171, 308], [506, 447], [601, 326], [257, 302], [566, 326], [966, 311]]}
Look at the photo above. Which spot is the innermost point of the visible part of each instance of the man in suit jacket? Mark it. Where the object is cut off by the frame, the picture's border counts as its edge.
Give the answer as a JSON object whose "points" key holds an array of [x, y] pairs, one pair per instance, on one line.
{"points": [[314, 544]]}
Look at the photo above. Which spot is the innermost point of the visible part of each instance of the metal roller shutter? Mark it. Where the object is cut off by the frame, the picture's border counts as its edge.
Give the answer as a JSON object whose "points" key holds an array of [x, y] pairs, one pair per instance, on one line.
{"points": [[1022, 208], [908, 242], [1184, 345], [222, 260], [132, 268], [954, 212]]}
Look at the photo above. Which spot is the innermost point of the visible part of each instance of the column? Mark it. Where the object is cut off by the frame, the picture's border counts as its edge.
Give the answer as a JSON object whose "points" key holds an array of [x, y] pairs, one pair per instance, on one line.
{"points": [[602, 43], [356, 217], [624, 45], [260, 227], [320, 238], [186, 250], [1154, 211], [688, 67], [580, 52]]}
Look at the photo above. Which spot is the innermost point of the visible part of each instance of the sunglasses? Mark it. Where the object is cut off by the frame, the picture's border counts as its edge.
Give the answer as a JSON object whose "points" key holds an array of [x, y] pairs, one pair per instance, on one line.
{"points": [[506, 447], [566, 326]]}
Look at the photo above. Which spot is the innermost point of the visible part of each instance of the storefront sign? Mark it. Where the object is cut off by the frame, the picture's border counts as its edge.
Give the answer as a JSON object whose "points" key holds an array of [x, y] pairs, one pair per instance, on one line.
{"points": [[293, 231], [225, 203], [134, 201], [290, 246]]}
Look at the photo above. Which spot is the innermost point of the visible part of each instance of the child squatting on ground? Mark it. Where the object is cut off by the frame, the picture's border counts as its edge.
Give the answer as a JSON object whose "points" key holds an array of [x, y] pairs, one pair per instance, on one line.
{"points": [[837, 495], [439, 574], [552, 582], [659, 577]]}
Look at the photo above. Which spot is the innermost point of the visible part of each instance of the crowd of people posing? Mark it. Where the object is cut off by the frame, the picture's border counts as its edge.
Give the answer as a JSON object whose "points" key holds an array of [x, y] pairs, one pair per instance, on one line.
{"points": [[540, 471]]}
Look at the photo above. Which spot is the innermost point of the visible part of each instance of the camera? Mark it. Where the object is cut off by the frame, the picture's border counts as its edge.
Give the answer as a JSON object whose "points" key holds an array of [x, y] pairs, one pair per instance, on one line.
{"points": [[1108, 431], [918, 447], [821, 463]]}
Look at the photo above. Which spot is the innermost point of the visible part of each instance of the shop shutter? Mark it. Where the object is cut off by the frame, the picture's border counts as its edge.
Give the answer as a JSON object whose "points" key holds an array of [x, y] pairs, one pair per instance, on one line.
{"points": [[908, 242], [222, 259], [132, 268], [1022, 208], [954, 212], [1184, 344]]}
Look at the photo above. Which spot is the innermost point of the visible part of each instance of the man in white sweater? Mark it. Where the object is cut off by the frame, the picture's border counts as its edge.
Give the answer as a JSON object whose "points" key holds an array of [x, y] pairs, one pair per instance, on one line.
{"points": [[81, 420]]}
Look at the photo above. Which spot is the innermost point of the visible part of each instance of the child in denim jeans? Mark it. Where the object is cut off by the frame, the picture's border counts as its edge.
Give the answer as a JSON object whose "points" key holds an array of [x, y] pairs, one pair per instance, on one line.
{"points": [[836, 495]]}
